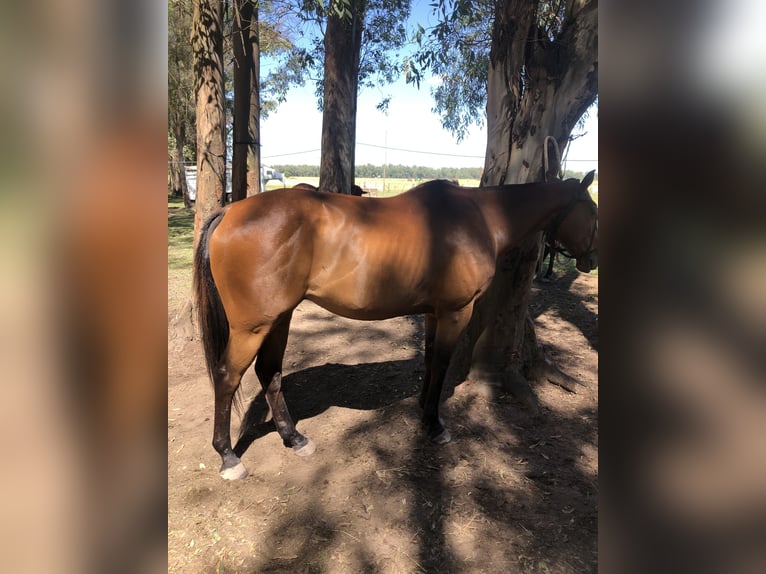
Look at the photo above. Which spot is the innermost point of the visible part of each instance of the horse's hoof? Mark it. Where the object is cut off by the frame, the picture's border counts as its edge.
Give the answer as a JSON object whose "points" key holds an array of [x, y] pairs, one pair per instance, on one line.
{"points": [[237, 472], [305, 450], [442, 438]]}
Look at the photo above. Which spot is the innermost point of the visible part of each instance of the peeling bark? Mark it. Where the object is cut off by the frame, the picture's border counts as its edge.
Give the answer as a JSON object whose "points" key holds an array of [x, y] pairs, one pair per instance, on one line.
{"points": [[536, 88], [343, 40], [245, 176], [207, 43]]}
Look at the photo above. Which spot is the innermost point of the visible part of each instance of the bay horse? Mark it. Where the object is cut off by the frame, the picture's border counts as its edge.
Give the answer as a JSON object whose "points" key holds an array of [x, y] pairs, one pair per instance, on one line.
{"points": [[430, 250]]}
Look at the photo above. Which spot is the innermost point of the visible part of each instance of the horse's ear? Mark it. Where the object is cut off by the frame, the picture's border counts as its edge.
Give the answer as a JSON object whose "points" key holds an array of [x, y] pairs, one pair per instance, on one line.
{"points": [[588, 179]]}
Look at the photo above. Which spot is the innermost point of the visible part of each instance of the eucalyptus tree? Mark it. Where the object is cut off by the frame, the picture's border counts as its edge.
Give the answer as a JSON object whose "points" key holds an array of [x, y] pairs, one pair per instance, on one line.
{"points": [[207, 44], [534, 65], [180, 94], [348, 44], [246, 47]]}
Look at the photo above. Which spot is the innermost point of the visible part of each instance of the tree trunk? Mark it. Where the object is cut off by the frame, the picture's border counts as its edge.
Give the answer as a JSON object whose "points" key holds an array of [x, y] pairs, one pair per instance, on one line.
{"points": [[343, 40], [254, 118], [207, 43], [175, 171], [245, 179], [536, 88], [178, 173]]}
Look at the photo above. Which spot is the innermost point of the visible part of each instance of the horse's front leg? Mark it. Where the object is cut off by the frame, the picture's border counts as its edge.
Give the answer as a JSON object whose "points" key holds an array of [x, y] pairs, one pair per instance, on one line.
{"points": [[430, 332], [449, 327]]}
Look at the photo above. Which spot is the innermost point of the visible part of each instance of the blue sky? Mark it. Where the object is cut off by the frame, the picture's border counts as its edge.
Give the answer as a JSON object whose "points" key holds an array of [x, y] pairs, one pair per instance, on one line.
{"points": [[292, 134]]}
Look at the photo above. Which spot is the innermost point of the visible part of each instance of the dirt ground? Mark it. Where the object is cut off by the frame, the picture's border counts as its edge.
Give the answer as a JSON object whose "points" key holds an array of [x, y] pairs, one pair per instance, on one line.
{"points": [[512, 492]]}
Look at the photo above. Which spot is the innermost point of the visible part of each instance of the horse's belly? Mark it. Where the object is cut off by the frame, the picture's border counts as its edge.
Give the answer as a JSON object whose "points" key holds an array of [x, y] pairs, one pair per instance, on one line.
{"points": [[369, 294], [374, 312]]}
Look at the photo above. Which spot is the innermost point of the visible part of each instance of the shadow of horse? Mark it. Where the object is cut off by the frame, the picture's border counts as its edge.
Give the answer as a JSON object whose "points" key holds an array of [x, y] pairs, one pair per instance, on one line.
{"points": [[312, 391]]}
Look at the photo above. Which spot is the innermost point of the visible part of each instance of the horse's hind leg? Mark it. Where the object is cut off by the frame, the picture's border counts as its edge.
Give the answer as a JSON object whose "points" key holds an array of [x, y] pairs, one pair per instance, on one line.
{"points": [[268, 367], [240, 352]]}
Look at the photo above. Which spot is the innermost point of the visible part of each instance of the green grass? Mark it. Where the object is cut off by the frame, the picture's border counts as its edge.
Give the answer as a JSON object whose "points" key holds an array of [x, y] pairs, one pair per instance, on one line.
{"points": [[180, 253], [391, 186]]}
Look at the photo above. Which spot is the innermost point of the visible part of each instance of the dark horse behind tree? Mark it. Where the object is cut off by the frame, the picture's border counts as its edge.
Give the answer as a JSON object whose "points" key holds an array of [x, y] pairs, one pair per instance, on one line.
{"points": [[355, 189], [431, 250]]}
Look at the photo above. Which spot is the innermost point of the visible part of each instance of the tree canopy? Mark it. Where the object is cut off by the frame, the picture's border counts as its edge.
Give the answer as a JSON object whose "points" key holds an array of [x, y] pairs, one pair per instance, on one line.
{"points": [[302, 59], [457, 50]]}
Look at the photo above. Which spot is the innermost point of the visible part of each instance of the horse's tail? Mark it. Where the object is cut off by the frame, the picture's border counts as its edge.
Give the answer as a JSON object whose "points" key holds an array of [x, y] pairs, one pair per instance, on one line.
{"points": [[211, 316]]}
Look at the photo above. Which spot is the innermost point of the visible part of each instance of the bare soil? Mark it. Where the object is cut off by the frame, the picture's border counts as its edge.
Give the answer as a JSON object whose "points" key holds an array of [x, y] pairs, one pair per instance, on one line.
{"points": [[512, 492]]}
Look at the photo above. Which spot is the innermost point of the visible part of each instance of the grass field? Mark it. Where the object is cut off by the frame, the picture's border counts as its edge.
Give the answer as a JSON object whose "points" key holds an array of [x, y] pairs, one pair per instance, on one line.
{"points": [[389, 186], [378, 187], [180, 242]]}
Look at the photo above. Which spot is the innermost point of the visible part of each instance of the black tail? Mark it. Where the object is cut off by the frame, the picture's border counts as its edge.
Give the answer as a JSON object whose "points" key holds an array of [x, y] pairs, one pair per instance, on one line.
{"points": [[211, 315]]}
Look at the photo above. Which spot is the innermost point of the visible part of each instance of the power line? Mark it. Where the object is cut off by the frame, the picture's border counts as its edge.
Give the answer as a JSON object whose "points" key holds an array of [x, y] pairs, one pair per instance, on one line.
{"points": [[408, 151], [447, 154], [423, 152], [292, 153]]}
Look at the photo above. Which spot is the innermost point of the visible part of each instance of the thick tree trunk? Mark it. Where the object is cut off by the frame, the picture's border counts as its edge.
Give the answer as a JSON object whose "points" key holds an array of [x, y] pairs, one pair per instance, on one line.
{"points": [[343, 39], [207, 43], [175, 171], [245, 178], [536, 88]]}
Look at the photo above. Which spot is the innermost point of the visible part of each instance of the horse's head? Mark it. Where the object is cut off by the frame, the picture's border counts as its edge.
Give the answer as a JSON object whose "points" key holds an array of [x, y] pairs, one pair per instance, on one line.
{"points": [[576, 228]]}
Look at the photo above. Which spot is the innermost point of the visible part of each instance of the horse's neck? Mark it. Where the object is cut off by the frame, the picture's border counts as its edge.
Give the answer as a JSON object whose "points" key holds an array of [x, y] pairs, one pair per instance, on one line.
{"points": [[514, 213]]}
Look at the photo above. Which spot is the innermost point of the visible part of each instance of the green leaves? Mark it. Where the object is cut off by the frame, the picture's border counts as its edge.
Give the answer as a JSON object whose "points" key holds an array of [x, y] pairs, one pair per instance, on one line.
{"points": [[456, 50], [412, 72], [383, 37], [383, 105]]}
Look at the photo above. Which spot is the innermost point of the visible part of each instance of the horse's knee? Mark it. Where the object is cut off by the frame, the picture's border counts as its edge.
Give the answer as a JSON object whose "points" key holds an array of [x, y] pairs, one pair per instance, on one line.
{"points": [[270, 381]]}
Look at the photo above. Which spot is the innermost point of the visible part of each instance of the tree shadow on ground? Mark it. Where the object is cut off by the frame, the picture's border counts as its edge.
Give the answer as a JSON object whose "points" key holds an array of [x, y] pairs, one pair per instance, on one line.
{"points": [[513, 491], [507, 494], [557, 295], [310, 392]]}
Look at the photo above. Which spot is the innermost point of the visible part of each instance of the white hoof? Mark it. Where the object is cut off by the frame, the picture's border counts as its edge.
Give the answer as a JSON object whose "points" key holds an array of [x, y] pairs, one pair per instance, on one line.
{"points": [[234, 473], [442, 438], [307, 449]]}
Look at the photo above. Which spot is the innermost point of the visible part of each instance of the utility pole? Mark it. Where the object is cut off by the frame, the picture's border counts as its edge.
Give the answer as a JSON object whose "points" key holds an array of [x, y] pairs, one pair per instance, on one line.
{"points": [[385, 156]]}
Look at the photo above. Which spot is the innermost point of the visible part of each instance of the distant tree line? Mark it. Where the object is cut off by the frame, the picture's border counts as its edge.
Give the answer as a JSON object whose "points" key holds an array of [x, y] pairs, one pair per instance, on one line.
{"points": [[393, 171], [401, 171]]}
